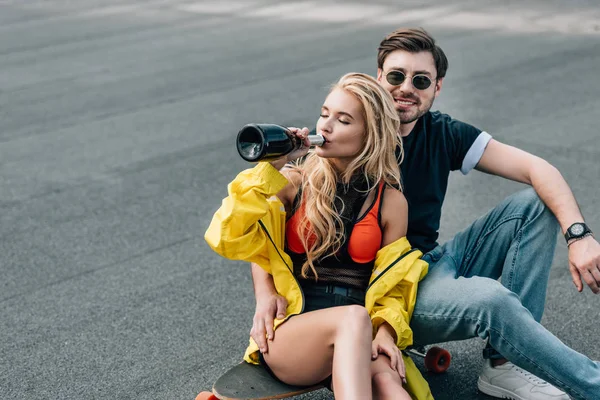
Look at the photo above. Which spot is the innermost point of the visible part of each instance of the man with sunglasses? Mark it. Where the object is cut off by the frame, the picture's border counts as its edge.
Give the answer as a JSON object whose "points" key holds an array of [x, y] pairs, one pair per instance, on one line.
{"points": [[514, 242]]}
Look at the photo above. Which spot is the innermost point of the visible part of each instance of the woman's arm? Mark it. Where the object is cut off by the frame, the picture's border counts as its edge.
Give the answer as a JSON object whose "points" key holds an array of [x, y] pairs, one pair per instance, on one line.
{"points": [[390, 313], [394, 218], [394, 215], [288, 193], [234, 231]]}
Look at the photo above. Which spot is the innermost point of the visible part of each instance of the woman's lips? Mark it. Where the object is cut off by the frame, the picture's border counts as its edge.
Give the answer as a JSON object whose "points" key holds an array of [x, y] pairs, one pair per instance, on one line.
{"points": [[324, 138]]}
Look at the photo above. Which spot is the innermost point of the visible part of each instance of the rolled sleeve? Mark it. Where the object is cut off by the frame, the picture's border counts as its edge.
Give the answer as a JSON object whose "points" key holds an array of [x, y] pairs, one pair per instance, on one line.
{"points": [[475, 152]]}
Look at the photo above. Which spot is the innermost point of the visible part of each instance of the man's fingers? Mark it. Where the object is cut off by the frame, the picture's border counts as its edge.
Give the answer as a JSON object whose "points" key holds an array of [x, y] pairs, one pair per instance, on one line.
{"points": [[281, 307], [591, 281], [588, 278], [576, 277], [596, 275]]}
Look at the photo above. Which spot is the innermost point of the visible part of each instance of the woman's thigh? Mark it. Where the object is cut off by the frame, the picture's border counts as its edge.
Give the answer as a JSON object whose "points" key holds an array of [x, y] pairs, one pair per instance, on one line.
{"points": [[301, 352]]}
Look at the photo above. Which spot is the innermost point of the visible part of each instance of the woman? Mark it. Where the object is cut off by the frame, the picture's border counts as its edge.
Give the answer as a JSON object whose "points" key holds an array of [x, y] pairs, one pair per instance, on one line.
{"points": [[345, 266]]}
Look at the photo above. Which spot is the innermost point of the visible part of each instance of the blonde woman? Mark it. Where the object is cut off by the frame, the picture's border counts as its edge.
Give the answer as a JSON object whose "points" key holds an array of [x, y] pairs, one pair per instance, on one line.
{"points": [[331, 232]]}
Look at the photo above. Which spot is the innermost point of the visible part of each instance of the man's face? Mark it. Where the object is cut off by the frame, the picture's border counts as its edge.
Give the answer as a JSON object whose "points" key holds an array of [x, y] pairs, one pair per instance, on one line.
{"points": [[411, 103]]}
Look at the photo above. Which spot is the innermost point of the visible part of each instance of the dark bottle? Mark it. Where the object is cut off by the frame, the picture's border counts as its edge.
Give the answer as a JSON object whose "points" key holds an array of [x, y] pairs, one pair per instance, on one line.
{"points": [[268, 142]]}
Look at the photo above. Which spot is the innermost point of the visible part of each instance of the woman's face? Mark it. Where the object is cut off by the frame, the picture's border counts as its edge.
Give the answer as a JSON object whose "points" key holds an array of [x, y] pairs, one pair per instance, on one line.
{"points": [[342, 125]]}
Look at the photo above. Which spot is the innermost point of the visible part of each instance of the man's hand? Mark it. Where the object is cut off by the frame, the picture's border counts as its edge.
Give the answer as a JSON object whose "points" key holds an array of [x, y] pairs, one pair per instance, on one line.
{"points": [[584, 263], [268, 306]]}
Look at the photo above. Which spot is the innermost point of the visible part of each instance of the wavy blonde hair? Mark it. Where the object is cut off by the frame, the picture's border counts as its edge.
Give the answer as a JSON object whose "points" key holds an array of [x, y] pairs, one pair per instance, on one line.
{"points": [[376, 161]]}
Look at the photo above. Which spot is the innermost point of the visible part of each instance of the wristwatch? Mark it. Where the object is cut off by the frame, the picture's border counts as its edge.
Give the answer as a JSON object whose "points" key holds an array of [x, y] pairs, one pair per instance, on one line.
{"points": [[577, 231]]}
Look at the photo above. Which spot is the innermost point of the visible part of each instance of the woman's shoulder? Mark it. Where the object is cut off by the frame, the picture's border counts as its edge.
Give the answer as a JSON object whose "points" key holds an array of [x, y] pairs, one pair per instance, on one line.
{"points": [[288, 194], [394, 196], [394, 215], [293, 174]]}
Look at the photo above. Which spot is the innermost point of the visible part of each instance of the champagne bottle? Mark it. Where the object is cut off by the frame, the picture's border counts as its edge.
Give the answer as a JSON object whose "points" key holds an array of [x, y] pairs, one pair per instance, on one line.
{"points": [[268, 142]]}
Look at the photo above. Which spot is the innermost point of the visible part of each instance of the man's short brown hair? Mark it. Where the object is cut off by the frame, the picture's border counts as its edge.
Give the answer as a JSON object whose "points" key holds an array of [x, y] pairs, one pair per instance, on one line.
{"points": [[413, 40]]}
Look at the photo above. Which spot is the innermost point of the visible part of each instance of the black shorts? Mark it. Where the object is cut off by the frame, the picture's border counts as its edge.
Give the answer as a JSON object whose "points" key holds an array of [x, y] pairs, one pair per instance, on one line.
{"points": [[319, 296]]}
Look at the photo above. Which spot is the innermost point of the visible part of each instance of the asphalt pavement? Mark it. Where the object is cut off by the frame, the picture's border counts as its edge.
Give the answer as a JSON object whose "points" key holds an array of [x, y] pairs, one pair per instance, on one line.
{"points": [[117, 127]]}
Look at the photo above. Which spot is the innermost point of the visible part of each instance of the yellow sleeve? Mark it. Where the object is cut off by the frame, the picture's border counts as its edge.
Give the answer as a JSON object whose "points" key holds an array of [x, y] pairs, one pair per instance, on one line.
{"points": [[235, 232], [398, 270], [392, 308]]}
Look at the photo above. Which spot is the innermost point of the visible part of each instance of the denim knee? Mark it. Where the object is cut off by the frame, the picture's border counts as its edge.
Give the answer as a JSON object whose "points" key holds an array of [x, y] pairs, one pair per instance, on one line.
{"points": [[493, 304], [532, 206]]}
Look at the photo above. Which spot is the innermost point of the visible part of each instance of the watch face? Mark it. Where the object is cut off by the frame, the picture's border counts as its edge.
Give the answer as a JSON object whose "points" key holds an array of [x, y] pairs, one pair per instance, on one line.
{"points": [[577, 229]]}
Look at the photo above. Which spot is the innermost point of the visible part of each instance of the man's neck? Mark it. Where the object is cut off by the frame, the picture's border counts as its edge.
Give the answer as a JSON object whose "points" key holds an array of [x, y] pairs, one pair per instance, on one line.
{"points": [[406, 129]]}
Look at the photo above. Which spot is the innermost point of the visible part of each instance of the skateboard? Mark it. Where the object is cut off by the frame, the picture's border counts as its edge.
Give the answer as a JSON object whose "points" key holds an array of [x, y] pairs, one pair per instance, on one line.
{"points": [[252, 382]]}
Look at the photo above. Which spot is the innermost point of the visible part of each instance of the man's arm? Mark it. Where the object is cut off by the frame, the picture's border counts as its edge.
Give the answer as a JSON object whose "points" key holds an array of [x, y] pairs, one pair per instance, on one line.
{"points": [[269, 305], [511, 163]]}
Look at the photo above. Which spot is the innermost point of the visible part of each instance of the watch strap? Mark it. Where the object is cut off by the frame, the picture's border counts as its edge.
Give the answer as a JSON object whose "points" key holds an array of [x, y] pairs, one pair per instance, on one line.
{"points": [[573, 240]]}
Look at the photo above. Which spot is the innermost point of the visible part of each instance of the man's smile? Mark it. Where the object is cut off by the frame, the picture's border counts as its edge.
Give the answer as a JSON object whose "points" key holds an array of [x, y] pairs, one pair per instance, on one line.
{"points": [[404, 102]]}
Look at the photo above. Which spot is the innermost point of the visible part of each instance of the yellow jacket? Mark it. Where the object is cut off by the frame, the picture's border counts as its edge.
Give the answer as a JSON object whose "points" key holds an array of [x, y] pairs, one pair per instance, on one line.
{"points": [[250, 226]]}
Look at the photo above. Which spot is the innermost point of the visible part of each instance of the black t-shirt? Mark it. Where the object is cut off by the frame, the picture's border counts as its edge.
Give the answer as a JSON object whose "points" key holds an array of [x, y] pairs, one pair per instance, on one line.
{"points": [[437, 145]]}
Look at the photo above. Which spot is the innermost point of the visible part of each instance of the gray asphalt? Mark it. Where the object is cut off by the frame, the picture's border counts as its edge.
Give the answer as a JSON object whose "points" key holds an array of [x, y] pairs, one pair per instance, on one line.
{"points": [[117, 126]]}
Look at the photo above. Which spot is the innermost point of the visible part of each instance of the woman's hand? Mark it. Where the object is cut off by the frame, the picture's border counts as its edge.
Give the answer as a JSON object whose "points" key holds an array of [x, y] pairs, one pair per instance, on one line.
{"points": [[384, 343], [301, 134], [268, 307]]}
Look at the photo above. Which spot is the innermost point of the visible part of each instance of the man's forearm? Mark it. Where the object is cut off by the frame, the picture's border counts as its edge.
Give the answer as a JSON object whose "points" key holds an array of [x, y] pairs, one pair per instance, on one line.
{"points": [[263, 281], [555, 193]]}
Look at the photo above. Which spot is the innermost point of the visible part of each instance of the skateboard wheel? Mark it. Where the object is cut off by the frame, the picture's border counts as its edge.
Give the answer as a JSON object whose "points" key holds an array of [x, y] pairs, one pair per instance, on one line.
{"points": [[206, 396], [437, 360]]}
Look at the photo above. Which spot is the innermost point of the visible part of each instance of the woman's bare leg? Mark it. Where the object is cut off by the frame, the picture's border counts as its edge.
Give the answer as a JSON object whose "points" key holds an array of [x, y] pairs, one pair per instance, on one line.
{"points": [[387, 384], [333, 341]]}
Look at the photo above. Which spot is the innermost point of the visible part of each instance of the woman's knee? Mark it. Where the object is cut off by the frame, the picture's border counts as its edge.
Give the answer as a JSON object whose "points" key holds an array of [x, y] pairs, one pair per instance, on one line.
{"points": [[357, 318], [387, 385]]}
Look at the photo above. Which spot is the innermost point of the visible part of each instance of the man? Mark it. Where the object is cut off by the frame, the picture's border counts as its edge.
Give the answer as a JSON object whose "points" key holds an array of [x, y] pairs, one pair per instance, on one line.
{"points": [[515, 241]]}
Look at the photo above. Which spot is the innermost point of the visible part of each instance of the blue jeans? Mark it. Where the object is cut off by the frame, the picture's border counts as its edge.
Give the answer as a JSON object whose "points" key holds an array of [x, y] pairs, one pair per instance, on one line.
{"points": [[461, 297]]}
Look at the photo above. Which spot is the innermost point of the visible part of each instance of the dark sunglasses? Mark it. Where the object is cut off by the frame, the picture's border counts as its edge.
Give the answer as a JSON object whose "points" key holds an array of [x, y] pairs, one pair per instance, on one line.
{"points": [[396, 78]]}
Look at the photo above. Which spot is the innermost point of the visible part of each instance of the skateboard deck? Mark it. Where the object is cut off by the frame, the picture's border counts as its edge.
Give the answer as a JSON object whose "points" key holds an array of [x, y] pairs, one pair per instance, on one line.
{"points": [[253, 382], [248, 381]]}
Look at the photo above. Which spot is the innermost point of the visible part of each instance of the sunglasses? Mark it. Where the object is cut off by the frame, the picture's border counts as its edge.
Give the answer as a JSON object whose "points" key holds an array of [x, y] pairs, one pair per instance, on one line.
{"points": [[396, 78]]}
